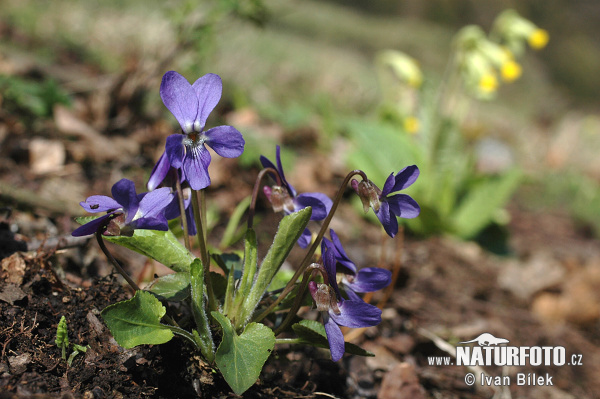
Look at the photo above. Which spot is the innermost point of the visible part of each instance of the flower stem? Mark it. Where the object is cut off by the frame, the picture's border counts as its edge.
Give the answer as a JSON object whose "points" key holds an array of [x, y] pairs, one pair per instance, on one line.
{"points": [[112, 260], [259, 178], [186, 236], [308, 274], [183, 333], [212, 302], [311, 251]]}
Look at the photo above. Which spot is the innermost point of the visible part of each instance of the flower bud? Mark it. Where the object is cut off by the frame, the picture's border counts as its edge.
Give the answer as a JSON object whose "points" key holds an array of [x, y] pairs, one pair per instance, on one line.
{"points": [[368, 194], [279, 198], [324, 297]]}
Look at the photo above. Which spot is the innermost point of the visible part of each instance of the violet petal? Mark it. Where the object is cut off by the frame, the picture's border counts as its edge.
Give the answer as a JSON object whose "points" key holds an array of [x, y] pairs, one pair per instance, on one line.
{"points": [[337, 346], [370, 279], [405, 178], [155, 202], [227, 141], [208, 89], [403, 206], [195, 167], [387, 219], [180, 98], [91, 227], [123, 192], [99, 203], [388, 186], [320, 204], [159, 172], [175, 150], [357, 314]]}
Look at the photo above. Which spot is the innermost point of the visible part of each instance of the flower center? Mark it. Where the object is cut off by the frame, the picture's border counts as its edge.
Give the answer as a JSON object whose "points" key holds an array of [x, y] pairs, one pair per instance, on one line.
{"points": [[194, 139]]}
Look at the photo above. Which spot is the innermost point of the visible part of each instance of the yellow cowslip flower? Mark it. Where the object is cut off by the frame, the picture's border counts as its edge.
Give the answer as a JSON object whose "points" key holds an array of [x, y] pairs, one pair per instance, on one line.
{"points": [[538, 39], [511, 71], [488, 83], [411, 124]]}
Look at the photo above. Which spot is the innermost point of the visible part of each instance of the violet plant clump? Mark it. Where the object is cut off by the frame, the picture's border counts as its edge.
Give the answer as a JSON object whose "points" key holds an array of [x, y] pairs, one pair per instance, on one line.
{"points": [[234, 318]]}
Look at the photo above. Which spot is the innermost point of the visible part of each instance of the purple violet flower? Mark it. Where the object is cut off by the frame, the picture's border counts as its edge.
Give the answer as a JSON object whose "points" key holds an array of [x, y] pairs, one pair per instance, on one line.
{"points": [[368, 279], [387, 207], [285, 198], [338, 312], [191, 105], [127, 211]]}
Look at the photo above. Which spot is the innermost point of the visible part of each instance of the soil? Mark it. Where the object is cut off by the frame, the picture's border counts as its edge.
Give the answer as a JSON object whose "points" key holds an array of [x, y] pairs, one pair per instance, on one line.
{"points": [[447, 291]]}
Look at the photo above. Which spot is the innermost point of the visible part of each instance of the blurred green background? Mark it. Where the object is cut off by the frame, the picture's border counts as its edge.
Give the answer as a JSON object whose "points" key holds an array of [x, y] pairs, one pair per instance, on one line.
{"points": [[309, 67]]}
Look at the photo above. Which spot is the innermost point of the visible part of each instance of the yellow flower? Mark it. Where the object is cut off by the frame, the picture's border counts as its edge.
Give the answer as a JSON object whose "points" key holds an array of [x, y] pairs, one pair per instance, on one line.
{"points": [[538, 39], [511, 71], [411, 124], [488, 83]]}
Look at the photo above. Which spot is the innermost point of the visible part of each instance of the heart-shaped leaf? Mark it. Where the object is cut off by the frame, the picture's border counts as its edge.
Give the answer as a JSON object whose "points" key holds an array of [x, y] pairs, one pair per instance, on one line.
{"points": [[240, 358], [136, 321], [172, 287]]}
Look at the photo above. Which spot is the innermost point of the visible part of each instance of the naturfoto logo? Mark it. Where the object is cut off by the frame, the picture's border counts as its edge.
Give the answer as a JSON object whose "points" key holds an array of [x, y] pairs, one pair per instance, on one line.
{"points": [[492, 351]]}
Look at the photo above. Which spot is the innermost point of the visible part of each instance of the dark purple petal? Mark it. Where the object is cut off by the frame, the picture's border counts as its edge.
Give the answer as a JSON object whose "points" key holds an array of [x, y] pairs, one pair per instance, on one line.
{"points": [[341, 256], [280, 169], [208, 90], [99, 203], [405, 178], [320, 204], [191, 223], [175, 150], [356, 314], [159, 172], [403, 206], [305, 238], [157, 222], [123, 192], [387, 219], [180, 98], [266, 163], [329, 263], [388, 186], [337, 346], [91, 227], [370, 279], [195, 167], [352, 296], [172, 210], [227, 141]]}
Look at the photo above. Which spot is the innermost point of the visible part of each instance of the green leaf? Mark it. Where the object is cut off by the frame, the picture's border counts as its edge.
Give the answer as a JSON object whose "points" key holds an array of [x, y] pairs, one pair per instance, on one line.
{"points": [[62, 336], [240, 358], [290, 229], [481, 203], [136, 321], [312, 332], [161, 246], [172, 287]]}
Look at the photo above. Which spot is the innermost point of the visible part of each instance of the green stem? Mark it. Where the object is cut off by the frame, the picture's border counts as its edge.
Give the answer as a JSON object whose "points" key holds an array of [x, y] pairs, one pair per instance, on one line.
{"points": [[183, 333], [300, 295], [311, 251], [212, 302], [259, 178], [112, 260]]}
